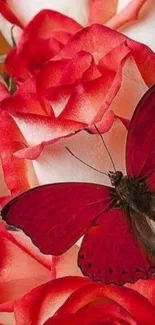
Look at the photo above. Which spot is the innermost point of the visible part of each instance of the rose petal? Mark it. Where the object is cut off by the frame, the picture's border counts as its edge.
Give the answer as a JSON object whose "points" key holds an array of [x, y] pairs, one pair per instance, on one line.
{"points": [[63, 72], [57, 79], [26, 11], [91, 73], [25, 100], [127, 14], [103, 309], [7, 12], [37, 52], [43, 301], [4, 93], [99, 311], [86, 103], [16, 172], [76, 67], [48, 129], [66, 264], [141, 30], [58, 97], [7, 318], [96, 39], [26, 244], [89, 102], [30, 152], [124, 104], [87, 147], [101, 11], [104, 125], [113, 58], [99, 40], [16, 66], [39, 130], [22, 64], [6, 26], [130, 300], [145, 288], [46, 22], [41, 39], [50, 75], [22, 266]]}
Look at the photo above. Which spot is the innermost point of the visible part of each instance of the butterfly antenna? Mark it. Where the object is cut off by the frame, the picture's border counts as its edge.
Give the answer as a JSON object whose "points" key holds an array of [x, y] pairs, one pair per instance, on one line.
{"points": [[101, 136], [12, 37], [83, 162]]}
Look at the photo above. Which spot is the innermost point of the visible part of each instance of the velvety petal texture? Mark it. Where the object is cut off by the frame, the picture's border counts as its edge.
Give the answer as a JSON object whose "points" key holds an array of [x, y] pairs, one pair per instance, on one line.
{"points": [[23, 268], [75, 300]]}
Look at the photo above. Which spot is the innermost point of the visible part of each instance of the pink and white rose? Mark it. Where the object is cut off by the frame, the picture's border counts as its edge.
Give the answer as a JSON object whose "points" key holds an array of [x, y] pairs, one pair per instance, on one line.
{"points": [[38, 290], [115, 14], [24, 268], [88, 75]]}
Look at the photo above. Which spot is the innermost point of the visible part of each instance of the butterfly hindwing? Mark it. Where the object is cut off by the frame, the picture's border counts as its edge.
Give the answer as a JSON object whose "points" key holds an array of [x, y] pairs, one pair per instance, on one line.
{"points": [[55, 216], [111, 253], [144, 229]]}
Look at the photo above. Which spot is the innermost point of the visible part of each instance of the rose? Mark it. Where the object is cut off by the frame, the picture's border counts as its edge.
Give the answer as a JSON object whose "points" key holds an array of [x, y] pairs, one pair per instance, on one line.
{"points": [[38, 289], [87, 81], [76, 301], [97, 11], [23, 268], [85, 12], [112, 13]]}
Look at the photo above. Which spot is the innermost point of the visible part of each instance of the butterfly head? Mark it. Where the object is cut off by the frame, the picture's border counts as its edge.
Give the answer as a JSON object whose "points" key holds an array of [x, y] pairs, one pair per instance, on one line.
{"points": [[115, 177]]}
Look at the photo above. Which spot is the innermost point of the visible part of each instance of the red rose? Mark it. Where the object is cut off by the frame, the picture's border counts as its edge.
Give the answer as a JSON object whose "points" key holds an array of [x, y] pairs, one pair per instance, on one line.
{"points": [[76, 300], [38, 289], [23, 268]]}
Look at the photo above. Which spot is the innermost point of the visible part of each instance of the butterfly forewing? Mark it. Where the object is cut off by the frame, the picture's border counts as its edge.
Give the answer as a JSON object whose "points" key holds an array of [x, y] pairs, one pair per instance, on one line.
{"points": [[118, 245], [55, 216], [140, 149], [140, 163]]}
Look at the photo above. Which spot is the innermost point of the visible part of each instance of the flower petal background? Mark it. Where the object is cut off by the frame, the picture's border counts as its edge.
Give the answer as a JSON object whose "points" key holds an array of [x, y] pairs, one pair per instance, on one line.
{"points": [[141, 29], [22, 268], [46, 299], [77, 297], [103, 49], [101, 11], [26, 11], [82, 10], [56, 164]]}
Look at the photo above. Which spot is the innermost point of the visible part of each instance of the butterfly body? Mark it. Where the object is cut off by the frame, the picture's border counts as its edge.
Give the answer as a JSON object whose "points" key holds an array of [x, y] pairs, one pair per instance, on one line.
{"points": [[118, 243], [138, 202], [132, 194]]}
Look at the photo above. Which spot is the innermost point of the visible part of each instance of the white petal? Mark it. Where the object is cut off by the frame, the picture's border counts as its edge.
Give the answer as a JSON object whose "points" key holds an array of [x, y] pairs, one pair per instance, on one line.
{"points": [[5, 28], [142, 30], [25, 10], [56, 165]]}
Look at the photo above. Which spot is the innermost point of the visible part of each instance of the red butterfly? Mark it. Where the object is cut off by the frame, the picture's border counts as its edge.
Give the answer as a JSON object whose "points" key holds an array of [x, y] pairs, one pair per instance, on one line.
{"points": [[119, 241]]}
